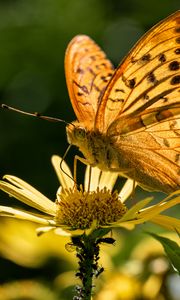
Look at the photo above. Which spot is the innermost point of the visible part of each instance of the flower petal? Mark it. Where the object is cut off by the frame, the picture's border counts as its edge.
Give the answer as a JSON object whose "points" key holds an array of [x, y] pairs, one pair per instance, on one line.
{"points": [[61, 232], [57, 230], [91, 184], [160, 207], [127, 190], [22, 185], [167, 222], [18, 214], [27, 194], [152, 213], [108, 180], [64, 173], [127, 225], [135, 210]]}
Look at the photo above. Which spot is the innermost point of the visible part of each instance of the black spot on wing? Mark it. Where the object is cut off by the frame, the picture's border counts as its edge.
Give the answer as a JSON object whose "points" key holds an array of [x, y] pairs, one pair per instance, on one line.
{"points": [[175, 80], [132, 83], [93, 57], [91, 71], [145, 96], [177, 51], [162, 57], [80, 71], [80, 94], [152, 78], [83, 88], [115, 100], [106, 78], [177, 158], [119, 90], [96, 88], [166, 143], [177, 30], [145, 58], [174, 65]]}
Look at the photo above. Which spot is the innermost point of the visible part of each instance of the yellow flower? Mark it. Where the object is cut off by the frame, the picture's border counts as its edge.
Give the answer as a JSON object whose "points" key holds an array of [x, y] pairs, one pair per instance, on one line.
{"points": [[84, 208], [26, 289], [120, 287]]}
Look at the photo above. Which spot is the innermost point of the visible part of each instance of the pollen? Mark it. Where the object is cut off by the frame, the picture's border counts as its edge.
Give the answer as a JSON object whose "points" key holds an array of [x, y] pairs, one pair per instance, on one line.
{"points": [[79, 209]]}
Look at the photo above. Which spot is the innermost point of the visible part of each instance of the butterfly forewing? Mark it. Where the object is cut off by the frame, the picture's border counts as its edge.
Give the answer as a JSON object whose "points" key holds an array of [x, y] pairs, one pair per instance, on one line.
{"points": [[148, 77], [87, 73]]}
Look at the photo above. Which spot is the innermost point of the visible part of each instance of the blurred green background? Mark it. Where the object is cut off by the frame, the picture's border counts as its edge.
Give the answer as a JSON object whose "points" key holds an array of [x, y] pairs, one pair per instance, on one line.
{"points": [[33, 37]]}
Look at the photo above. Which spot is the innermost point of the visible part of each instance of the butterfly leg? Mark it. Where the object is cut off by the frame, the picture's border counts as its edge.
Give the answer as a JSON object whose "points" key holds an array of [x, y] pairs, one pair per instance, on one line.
{"points": [[85, 162], [89, 178]]}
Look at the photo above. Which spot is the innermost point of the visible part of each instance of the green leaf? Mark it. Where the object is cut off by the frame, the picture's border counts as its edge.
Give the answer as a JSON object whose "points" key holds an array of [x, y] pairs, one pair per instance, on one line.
{"points": [[172, 250]]}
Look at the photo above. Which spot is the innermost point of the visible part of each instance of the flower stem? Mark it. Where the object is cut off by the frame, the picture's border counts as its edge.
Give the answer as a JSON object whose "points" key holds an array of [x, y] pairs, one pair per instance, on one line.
{"points": [[87, 252]]}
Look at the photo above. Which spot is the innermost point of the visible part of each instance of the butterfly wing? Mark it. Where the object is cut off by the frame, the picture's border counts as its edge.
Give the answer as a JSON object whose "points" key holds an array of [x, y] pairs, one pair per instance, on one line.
{"points": [[140, 109], [151, 143], [148, 78], [87, 73]]}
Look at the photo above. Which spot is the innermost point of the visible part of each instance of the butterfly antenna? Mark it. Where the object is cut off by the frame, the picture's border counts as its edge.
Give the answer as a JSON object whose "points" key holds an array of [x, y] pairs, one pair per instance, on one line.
{"points": [[35, 114], [51, 119]]}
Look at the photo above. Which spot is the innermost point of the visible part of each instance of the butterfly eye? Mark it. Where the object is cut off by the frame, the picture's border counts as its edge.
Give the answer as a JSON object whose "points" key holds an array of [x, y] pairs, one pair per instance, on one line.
{"points": [[80, 133]]}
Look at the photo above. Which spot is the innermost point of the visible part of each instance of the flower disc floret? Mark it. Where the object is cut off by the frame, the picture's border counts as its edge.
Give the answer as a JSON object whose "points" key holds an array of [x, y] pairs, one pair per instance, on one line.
{"points": [[79, 209]]}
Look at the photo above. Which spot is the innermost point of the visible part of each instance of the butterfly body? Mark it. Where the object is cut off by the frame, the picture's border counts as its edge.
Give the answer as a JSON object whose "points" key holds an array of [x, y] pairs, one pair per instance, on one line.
{"points": [[97, 148], [125, 156], [128, 120]]}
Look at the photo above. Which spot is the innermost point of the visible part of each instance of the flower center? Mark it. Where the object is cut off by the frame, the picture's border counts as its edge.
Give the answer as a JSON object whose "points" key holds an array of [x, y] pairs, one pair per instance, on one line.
{"points": [[79, 209]]}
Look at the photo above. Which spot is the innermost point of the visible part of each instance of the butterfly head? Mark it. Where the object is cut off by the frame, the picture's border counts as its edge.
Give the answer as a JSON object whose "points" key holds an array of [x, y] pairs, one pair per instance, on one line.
{"points": [[76, 134]]}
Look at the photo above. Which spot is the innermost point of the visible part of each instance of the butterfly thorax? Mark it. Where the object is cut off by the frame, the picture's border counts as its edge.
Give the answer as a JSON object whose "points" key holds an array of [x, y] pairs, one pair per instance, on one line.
{"points": [[97, 148]]}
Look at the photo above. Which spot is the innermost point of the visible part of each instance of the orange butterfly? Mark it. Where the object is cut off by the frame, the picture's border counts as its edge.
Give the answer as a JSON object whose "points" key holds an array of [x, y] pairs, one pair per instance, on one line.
{"points": [[129, 119]]}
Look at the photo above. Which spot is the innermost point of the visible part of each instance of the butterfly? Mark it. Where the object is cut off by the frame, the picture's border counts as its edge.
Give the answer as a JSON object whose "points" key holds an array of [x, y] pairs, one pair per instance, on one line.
{"points": [[128, 119]]}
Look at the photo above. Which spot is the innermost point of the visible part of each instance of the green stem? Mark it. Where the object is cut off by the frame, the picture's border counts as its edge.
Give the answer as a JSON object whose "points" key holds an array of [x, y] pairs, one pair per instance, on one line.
{"points": [[87, 251], [87, 266]]}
